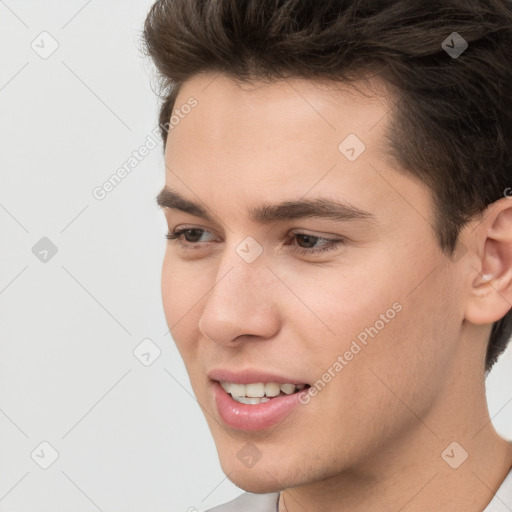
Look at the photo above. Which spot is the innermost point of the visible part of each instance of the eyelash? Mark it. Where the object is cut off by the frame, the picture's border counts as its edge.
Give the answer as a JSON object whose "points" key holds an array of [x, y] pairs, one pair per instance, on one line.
{"points": [[329, 246]]}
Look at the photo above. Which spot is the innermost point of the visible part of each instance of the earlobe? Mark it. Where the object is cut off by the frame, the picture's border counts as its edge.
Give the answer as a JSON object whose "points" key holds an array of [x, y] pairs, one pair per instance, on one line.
{"points": [[490, 296]]}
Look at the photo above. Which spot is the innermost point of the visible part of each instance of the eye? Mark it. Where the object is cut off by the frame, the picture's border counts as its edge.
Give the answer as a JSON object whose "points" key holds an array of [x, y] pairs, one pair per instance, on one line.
{"points": [[179, 233], [189, 238], [329, 244]]}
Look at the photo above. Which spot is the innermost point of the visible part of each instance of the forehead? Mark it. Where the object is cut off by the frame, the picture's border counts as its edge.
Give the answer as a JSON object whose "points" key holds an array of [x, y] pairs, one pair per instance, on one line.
{"points": [[328, 107], [254, 143], [291, 122]]}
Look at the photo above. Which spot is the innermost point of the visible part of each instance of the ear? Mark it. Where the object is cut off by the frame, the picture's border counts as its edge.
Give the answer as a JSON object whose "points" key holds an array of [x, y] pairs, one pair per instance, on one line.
{"points": [[490, 296]]}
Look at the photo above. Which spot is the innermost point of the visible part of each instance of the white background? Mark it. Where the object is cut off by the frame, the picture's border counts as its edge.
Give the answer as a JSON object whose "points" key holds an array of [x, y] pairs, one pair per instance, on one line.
{"points": [[129, 437]]}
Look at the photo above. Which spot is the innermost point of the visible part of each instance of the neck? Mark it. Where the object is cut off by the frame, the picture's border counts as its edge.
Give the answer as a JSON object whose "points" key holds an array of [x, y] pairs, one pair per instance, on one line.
{"points": [[422, 469], [422, 486]]}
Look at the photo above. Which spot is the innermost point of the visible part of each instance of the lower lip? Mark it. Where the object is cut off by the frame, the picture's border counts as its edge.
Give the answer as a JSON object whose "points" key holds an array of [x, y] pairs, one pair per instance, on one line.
{"points": [[253, 417]]}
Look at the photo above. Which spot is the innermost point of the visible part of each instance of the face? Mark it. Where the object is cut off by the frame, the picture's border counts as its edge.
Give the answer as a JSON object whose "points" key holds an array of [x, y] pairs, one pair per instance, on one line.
{"points": [[250, 296]]}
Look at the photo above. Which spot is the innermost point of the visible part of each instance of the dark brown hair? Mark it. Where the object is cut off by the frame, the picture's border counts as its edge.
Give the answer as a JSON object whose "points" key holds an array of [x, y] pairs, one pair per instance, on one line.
{"points": [[452, 125]]}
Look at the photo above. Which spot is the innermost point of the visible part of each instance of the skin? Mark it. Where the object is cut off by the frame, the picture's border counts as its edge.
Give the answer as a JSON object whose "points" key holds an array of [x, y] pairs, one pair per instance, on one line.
{"points": [[372, 439]]}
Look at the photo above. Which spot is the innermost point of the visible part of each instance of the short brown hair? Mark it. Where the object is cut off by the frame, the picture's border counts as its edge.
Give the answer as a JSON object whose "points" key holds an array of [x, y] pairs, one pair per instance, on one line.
{"points": [[453, 125]]}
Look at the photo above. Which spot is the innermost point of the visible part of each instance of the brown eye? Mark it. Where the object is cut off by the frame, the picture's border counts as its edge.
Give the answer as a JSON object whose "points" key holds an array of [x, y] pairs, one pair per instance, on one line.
{"points": [[190, 237], [179, 233], [310, 240]]}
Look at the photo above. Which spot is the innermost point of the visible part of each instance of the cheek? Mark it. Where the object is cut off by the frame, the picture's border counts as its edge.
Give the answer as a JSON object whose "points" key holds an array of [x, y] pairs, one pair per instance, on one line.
{"points": [[384, 313], [343, 301], [168, 287], [180, 303], [182, 286], [405, 324]]}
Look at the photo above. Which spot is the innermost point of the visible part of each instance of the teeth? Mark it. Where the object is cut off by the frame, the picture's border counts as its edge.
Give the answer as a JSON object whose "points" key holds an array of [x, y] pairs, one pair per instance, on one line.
{"points": [[272, 389], [288, 388], [257, 392], [250, 400], [237, 389]]}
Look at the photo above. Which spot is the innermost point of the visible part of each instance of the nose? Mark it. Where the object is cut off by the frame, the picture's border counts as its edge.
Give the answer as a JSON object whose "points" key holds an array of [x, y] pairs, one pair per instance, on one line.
{"points": [[242, 302]]}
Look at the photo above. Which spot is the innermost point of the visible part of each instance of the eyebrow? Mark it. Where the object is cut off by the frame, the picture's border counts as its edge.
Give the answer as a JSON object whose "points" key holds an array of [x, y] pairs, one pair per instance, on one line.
{"points": [[268, 213]]}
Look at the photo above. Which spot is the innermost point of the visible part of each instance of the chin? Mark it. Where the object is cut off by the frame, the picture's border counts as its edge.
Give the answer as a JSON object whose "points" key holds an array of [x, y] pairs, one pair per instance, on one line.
{"points": [[265, 476], [256, 481]]}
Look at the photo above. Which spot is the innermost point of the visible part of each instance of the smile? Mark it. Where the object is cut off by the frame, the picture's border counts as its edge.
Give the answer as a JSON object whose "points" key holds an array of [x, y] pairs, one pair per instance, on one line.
{"points": [[258, 392]]}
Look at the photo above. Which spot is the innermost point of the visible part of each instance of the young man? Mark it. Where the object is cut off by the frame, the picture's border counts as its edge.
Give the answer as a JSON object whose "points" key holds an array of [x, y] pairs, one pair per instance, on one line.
{"points": [[338, 276]]}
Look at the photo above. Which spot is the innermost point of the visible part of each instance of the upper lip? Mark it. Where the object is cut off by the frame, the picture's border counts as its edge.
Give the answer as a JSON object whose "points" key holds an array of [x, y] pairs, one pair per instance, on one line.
{"points": [[249, 376]]}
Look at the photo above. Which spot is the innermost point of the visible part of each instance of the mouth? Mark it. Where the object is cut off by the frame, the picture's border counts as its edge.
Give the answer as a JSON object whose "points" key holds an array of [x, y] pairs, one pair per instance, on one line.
{"points": [[251, 399], [256, 405], [260, 392]]}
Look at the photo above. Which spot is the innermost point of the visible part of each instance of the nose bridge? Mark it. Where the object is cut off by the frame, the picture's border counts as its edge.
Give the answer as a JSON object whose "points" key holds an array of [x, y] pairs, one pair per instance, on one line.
{"points": [[242, 277], [244, 264], [239, 301]]}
